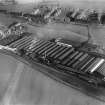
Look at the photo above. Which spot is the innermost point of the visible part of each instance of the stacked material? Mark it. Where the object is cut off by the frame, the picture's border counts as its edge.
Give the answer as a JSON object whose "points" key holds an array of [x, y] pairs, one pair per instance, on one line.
{"points": [[64, 58]]}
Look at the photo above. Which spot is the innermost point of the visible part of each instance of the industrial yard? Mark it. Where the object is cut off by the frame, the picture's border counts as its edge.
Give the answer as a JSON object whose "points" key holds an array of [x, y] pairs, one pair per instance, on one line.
{"points": [[31, 87]]}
